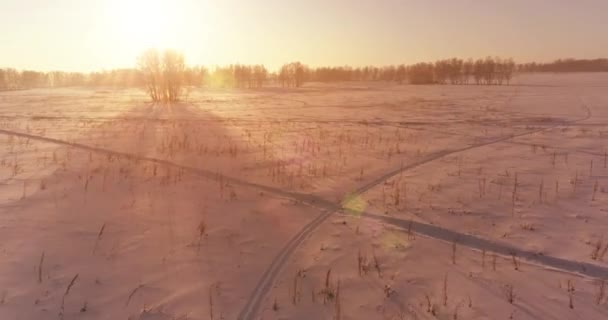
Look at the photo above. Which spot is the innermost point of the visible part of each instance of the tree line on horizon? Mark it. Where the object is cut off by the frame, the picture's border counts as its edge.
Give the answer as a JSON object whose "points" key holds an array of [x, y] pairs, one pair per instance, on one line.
{"points": [[567, 65], [487, 71]]}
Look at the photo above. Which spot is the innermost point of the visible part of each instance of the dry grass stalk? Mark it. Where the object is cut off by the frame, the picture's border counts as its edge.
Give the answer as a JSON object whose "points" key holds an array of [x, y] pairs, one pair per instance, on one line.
{"points": [[595, 188], [601, 292], [211, 302], [275, 305], [570, 294], [514, 196], [500, 185], [377, 265], [363, 264], [65, 294], [603, 253], [397, 195], [24, 193], [40, 268], [575, 183], [515, 261], [359, 262], [430, 306], [295, 294], [597, 249], [338, 305], [445, 290], [328, 292], [510, 293], [405, 195], [202, 227], [540, 190], [459, 166], [132, 294], [410, 234], [99, 235]]}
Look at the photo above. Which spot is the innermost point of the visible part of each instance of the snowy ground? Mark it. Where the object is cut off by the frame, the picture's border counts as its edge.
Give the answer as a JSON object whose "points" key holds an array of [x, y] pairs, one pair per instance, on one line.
{"points": [[333, 201]]}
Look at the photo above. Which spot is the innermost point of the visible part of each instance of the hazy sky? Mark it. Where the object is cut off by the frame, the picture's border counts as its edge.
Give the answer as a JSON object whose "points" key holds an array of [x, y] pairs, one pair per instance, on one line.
{"points": [[102, 34]]}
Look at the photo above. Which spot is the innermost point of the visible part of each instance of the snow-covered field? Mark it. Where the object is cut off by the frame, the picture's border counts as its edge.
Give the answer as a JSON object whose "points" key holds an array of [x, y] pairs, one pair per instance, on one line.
{"points": [[332, 201]]}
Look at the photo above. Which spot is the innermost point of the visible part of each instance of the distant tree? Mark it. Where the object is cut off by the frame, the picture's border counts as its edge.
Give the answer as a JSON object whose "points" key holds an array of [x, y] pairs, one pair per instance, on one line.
{"points": [[150, 66], [489, 70], [499, 71], [299, 74], [422, 73], [260, 74], [387, 73], [57, 79], [163, 74], [32, 79], [441, 71], [455, 70], [76, 79], [195, 76], [283, 76], [293, 74], [509, 68], [400, 74], [222, 77], [467, 70], [173, 74], [478, 71], [567, 65], [12, 79], [3, 83]]}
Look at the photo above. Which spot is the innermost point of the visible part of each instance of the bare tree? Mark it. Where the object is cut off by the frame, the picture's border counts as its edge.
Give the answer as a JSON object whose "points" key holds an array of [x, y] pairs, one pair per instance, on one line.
{"points": [[293, 74], [299, 74], [421, 73], [489, 70], [150, 66], [163, 75], [173, 75], [478, 71], [400, 74], [467, 70], [509, 68], [260, 74]]}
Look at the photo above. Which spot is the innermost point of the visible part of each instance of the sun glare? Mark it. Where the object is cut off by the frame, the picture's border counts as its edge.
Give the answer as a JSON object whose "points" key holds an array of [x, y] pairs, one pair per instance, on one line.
{"points": [[146, 23]]}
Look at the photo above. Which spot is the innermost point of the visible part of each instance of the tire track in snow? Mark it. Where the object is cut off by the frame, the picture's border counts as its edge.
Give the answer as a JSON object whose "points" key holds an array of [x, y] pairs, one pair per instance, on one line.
{"points": [[200, 172], [503, 249], [252, 306]]}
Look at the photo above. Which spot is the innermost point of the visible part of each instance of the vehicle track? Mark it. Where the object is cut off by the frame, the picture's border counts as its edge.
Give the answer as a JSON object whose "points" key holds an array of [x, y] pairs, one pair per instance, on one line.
{"points": [[252, 306], [200, 172], [481, 244]]}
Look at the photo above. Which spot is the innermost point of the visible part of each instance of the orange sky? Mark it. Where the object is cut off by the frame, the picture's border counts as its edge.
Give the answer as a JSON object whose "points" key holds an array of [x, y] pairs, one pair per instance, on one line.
{"points": [[85, 35]]}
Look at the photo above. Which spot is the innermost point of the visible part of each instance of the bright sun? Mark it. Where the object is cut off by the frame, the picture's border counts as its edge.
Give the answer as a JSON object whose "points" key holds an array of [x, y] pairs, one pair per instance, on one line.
{"points": [[146, 23]]}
